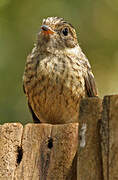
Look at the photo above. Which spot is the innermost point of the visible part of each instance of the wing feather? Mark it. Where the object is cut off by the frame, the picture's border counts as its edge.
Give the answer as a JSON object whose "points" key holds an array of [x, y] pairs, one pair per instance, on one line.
{"points": [[90, 84]]}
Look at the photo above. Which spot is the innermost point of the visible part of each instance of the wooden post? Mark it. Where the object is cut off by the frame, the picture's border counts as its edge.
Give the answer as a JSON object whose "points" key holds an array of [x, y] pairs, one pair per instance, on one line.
{"points": [[55, 152], [46, 152], [10, 142], [89, 166], [109, 137]]}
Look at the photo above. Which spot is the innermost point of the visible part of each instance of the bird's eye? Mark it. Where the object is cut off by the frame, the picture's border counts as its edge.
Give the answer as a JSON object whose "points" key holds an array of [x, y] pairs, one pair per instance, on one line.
{"points": [[65, 31]]}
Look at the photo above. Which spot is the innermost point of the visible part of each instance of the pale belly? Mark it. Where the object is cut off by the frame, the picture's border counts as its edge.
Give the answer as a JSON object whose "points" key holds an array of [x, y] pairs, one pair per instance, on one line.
{"points": [[56, 103]]}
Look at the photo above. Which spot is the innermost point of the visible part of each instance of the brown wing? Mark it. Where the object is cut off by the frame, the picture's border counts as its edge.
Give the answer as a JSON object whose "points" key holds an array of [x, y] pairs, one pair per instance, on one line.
{"points": [[90, 84], [35, 119], [24, 89]]}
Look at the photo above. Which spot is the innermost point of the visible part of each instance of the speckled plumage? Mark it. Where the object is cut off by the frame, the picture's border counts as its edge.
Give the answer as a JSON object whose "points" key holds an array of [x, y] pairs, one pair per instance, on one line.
{"points": [[57, 74]]}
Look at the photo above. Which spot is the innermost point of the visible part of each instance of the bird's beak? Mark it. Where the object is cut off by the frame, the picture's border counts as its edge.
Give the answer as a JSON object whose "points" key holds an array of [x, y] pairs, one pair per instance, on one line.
{"points": [[46, 30]]}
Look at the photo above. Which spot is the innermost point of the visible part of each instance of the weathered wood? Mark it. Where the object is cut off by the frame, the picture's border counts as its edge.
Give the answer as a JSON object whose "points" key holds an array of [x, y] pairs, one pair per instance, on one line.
{"points": [[48, 152], [89, 165], [109, 137], [10, 142]]}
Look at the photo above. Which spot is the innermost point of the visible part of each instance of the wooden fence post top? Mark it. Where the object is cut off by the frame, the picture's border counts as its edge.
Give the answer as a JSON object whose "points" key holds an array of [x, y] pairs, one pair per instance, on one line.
{"points": [[38, 151], [89, 163], [48, 152], [109, 137], [10, 140]]}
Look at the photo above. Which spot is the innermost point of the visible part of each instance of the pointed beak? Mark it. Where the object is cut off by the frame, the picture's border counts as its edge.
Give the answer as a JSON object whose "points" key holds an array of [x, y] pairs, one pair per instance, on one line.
{"points": [[46, 30]]}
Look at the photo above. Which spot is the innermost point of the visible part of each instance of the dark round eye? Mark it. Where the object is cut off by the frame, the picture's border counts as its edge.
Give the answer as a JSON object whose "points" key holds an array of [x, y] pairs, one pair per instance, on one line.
{"points": [[65, 31]]}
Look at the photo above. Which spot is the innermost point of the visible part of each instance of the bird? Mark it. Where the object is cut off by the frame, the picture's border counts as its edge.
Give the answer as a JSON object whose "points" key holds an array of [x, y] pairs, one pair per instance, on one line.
{"points": [[57, 74]]}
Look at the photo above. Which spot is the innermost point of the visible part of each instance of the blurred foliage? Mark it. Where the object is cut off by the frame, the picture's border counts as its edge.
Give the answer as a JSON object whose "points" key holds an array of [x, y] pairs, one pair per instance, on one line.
{"points": [[96, 23]]}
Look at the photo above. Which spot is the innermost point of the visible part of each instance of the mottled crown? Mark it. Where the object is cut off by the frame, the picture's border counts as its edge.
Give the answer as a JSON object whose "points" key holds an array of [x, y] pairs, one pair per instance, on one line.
{"points": [[54, 21]]}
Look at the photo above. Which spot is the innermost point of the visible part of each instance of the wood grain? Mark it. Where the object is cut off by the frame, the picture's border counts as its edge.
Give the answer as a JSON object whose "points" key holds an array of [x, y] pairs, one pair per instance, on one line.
{"points": [[48, 152], [109, 137], [89, 165], [84, 151], [10, 142]]}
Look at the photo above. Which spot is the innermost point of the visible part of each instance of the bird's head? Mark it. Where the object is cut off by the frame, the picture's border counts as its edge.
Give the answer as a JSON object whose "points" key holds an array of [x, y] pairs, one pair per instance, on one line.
{"points": [[57, 34]]}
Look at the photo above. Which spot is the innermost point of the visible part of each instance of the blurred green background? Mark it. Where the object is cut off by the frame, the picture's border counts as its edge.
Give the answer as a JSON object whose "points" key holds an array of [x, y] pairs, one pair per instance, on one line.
{"points": [[96, 22]]}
